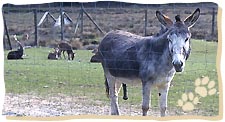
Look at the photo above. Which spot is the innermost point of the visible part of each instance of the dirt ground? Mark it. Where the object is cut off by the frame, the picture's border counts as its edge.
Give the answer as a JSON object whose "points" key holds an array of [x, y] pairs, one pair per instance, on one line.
{"points": [[30, 105], [27, 105]]}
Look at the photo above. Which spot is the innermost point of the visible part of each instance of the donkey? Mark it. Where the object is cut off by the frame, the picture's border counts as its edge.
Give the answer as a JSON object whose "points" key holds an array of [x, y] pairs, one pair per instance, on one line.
{"points": [[54, 55], [63, 46], [151, 61], [96, 59], [18, 54]]}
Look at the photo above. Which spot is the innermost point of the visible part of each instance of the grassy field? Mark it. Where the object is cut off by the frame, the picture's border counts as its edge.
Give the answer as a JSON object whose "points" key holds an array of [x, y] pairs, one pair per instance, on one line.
{"points": [[38, 76]]}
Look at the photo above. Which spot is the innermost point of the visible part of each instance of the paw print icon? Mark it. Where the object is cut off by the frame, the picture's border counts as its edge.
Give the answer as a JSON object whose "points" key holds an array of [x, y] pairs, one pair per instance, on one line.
{"points": [[188, 101], [204, 87]]}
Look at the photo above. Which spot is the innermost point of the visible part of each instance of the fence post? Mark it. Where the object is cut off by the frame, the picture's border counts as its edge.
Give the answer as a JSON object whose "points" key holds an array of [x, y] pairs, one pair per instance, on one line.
{"points": [[62, 21], [96, 25], [81, 21], [7, 33], [213, 22], [35, 28], [146, 21]]}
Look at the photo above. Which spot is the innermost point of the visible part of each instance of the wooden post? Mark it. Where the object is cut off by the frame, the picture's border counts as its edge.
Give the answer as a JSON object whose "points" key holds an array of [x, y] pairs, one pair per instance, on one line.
{"points": [[62, 21], [7, 33], [35, 28], [77, 23], [81, 21], [146, 22], [96, 25], [213, 21]]}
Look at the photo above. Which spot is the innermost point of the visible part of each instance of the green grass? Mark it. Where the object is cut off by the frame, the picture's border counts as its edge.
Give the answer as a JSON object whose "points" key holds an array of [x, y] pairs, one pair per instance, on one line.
{"points": [[35, 72], [82, 78]]}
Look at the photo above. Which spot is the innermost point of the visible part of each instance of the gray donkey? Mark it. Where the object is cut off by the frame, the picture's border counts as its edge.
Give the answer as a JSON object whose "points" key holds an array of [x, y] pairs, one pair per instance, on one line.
{"points": [[151, 61], [97, 59]]}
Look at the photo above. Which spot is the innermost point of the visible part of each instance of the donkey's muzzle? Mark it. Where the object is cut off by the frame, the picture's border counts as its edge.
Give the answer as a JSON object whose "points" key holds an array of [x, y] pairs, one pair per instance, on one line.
{"points": [[178, 66]]}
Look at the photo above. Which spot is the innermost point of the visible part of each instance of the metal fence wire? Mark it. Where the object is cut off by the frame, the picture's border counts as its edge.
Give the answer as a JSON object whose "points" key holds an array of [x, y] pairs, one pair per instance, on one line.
{"points": [[36, 86]]}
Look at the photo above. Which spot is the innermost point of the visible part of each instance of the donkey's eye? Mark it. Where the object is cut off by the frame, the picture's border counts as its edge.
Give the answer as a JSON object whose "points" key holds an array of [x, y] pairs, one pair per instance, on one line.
{"points": [[171, 50]]}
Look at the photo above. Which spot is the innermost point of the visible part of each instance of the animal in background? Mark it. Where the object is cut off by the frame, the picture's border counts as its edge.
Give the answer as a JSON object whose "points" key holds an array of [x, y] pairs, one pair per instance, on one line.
{"points": [[64, 46], [95, 58], [18, 54], [54, 55]]}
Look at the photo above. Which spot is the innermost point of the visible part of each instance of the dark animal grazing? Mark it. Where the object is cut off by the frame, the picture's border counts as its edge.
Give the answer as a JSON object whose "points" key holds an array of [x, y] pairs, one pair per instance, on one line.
{"points": [[54, 55], [18, 54], [63, 46], [152, 61]]}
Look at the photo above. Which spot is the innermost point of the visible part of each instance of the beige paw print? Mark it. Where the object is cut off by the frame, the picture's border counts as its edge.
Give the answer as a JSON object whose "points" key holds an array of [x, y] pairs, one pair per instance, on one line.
{"points": [[188, 101], [204, 87]]}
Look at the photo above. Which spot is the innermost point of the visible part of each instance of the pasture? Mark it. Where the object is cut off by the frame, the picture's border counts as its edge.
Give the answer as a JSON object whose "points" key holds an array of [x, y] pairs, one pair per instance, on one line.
{"points": [[36, 86]]}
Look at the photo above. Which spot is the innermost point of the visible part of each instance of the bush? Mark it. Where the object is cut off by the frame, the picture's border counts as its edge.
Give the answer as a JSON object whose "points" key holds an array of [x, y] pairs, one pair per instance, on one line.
{"points": [[42, 43], [76, 44]]}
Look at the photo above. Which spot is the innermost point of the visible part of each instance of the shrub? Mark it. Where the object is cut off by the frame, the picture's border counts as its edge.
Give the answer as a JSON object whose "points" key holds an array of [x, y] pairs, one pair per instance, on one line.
{"points": [[76, 44]]}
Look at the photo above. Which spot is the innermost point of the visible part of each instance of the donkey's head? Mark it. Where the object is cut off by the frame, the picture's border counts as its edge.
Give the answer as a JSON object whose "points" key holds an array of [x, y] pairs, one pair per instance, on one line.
{"points": [[72, 55], [179, 37]]}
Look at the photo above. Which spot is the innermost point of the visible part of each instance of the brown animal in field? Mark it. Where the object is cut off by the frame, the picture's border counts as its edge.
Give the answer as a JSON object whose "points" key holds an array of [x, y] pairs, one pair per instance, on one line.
{"points": [[64, 46], [53, 55], [25, 37]]}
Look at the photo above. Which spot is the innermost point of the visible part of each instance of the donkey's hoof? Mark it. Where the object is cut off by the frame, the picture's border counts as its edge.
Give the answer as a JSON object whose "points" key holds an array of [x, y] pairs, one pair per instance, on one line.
{"points": [[125, 98]]}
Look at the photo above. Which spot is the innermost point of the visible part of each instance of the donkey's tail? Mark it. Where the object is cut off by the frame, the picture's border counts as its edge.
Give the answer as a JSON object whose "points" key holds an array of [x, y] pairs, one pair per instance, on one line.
{"points": [[106, 87]]}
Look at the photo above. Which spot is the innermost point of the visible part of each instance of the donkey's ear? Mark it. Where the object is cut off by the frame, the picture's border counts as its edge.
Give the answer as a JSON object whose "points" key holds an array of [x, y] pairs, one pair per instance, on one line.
{"points": [[190, 20], [188, 52], [164, 20]]}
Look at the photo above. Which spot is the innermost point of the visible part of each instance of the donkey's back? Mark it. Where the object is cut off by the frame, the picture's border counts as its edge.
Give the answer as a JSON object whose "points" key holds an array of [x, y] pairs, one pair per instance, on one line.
{"points": [[119, 52], [118, 40]]}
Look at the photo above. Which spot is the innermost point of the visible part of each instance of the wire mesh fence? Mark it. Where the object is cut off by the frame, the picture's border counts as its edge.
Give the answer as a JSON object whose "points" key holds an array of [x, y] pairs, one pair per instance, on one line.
{"points": [[36, 86]]}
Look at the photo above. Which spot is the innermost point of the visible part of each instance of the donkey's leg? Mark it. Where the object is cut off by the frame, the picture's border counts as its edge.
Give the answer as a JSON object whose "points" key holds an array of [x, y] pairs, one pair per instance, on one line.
{"points": [[117, 91], [114, 88], [146, 89], [163, 93], [64, 54], [68, 54], [125, 96]]}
